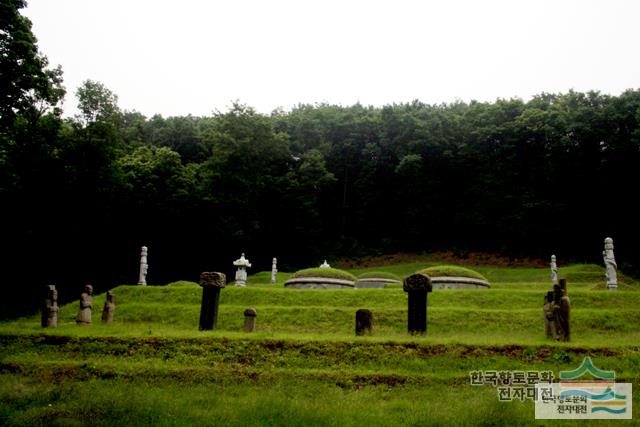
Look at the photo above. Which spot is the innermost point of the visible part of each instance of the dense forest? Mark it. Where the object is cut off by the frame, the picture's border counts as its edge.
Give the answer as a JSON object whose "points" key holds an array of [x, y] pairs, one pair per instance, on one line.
{"points": [[80, 196]]}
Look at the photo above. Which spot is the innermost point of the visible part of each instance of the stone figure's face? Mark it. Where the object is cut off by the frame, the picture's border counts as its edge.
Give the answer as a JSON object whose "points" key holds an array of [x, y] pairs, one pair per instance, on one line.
{"points": [[88, 289]]}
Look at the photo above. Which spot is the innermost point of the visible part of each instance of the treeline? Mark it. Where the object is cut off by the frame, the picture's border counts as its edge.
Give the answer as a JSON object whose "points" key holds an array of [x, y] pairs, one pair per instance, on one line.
{"points": [[556, 174]]}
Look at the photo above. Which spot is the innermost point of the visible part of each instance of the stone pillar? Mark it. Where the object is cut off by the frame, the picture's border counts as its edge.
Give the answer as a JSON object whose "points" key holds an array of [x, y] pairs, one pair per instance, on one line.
{"points": [[364, 320], [417, 286], [554, 270], [274, 270], [211, 283], [610, 264], [142, 279], [109, 309], [250, 315]]}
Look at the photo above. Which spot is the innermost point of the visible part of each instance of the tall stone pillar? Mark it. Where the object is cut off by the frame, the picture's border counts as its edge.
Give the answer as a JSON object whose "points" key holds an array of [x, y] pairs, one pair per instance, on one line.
{"points": [[610, 264], [417, 286], [142, 279], [211, 283], [274, 270]]}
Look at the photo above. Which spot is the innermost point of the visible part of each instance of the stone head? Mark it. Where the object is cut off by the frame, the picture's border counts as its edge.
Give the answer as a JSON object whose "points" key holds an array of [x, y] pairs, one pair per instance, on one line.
{"points": [[109, 296], [88, 289]]}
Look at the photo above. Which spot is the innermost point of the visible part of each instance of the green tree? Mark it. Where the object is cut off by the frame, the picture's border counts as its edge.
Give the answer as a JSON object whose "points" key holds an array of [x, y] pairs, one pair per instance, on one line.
{"points": [[96, 103]]}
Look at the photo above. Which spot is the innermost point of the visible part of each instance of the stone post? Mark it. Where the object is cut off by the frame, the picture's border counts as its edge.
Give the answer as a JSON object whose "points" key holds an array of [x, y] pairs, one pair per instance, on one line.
{"points": [[554, 270], [211, 283], [250, 315], [417, 286], [364, 320], [109, 309], [274, 270], [610, 264], [142, 279]]}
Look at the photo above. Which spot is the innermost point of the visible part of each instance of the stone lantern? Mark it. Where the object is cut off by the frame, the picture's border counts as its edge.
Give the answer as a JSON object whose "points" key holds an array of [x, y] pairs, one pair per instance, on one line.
{"points": [[241, 273]]}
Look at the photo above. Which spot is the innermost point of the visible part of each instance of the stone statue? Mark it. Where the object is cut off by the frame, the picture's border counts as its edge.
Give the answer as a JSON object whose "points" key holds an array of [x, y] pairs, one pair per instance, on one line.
{"points": [[144, 267], [549, 322], [562, 312], [274, 270], [610, 264], [554, 270], [50, 308], [86, 305], [109, 308], [46, 303], [241, 273]]}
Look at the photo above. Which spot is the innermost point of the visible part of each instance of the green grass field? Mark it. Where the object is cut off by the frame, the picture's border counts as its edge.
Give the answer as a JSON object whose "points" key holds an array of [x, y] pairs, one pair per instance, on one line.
{"points": [[304, 365]]}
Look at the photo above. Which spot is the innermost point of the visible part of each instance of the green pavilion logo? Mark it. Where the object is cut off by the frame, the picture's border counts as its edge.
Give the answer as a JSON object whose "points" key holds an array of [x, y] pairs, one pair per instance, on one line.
{"points": [[586, 392]]}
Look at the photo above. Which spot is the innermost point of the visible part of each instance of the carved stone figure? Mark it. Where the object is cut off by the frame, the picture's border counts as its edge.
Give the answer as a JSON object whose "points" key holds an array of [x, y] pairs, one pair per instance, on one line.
{"points": [[562, 311], [549, 319], [274, 270], [86, 305], [554, 270], [50, 308], [610, 264], [109, 308], [144, 267], [46, 303]]}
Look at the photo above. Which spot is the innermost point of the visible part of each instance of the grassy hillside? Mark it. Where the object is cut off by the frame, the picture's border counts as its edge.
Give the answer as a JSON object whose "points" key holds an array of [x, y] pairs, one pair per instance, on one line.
{"points": [[304, 364]]}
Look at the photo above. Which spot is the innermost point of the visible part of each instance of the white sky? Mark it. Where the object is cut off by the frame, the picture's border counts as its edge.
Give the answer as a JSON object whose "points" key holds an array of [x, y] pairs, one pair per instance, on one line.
{"points": [[195, 56]]}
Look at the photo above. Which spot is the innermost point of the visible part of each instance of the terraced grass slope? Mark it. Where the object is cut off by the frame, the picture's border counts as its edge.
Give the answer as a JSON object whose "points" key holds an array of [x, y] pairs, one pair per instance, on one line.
{"points": [[304, 364]]}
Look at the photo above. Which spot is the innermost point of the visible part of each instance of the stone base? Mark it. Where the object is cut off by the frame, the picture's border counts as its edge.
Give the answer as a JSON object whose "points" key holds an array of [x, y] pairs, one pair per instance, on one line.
{"points": [[447, 282], [318, 283], [372, 282]]}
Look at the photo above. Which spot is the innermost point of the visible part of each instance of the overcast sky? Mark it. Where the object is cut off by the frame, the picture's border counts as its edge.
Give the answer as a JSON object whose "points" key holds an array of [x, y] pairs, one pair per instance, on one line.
{"points": [[195, 56]]}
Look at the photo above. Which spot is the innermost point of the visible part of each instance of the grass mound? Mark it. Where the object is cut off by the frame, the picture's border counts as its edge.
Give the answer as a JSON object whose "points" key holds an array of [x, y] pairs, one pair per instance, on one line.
{"points": [[182, 284], [379, 275], [331, 273], [451, 271]]}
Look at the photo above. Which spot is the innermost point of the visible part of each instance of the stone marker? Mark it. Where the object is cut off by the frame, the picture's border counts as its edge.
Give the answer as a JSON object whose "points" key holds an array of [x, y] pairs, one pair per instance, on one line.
{"points": [[325, 264], [50, 308], [610, 264], [250, 315], [547, 309], [274, 270], [144, 267], [364, 320], [562, 311], [417, 286], [86, 305], [241, 274], [211, 283], [554, 270], [109, 309]]}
